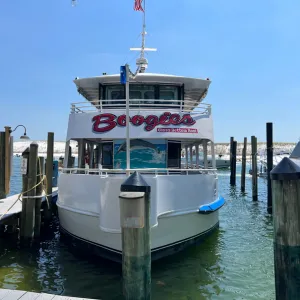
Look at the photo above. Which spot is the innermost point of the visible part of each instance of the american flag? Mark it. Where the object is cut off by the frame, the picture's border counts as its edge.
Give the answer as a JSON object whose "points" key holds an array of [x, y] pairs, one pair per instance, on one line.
{"points": [[138, 5]]}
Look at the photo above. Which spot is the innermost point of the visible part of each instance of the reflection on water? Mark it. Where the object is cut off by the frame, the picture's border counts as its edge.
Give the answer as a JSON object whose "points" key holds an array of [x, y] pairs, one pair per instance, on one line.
{"points": [[236, 262]]}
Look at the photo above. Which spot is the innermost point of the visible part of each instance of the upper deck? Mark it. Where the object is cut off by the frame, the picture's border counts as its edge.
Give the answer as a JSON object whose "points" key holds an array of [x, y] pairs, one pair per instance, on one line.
{"points": [[155, 91], [160, 106]]}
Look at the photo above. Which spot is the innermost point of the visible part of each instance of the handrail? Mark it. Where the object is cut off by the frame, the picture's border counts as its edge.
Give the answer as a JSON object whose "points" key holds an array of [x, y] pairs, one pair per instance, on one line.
{"points": [[141, 104], [155, 171]]}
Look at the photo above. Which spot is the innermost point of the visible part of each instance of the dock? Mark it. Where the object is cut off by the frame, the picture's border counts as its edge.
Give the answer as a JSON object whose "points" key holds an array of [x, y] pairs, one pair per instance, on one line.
{"points": [[11, 206], [23, 295]]}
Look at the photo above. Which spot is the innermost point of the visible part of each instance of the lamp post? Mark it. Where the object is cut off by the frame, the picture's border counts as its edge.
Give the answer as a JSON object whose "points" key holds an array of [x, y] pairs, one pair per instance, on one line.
{"points": [[22, 137]]}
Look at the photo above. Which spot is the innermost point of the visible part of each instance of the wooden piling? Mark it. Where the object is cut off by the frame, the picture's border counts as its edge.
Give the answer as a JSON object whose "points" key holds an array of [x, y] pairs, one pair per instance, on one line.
{"points": [[269, 163], [24, 172], [243, 172], [49, 176], [233, 164], [7, 159], [254, 167], [38, 201], [286, 209], [136, 250], [30, 205], [231, 145], [2, 165]]}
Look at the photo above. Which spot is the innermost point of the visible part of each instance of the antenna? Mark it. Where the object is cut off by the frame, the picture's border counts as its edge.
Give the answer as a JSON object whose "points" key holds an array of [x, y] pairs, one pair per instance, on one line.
{"points": [[142, 62]]}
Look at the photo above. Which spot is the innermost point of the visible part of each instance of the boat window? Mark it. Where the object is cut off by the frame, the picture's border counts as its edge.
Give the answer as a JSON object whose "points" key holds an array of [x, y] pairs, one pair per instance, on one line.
{"points": [[115, 92], [142, 91], [168, 92], [107, 155], [135, 95], [149, 93]]}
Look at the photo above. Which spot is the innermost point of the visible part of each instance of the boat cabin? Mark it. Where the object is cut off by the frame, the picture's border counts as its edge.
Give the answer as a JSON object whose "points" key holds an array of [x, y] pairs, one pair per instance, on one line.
{"points": [[167, 121]]}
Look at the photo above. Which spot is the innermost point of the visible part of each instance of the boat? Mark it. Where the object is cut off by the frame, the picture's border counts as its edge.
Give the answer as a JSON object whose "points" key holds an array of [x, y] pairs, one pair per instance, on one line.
{"points": [[166, 114], [277, 158], [221, 161]]}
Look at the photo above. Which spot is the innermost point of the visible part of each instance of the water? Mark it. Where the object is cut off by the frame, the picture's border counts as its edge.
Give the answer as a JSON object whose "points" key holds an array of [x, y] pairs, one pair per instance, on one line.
{"points": [[234, 263]]}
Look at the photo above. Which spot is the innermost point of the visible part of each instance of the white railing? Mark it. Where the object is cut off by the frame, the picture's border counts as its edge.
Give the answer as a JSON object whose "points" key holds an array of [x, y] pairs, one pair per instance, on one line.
{"points": [[141, 104], [154, 171]]}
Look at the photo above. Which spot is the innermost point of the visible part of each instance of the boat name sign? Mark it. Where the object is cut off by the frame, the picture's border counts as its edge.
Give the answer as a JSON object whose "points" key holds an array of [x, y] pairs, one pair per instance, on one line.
{"points": [[105, 122]]}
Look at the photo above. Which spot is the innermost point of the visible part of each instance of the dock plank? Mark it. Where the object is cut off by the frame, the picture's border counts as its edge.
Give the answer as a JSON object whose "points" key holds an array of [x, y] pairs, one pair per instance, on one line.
{"points": [[44, 296], [6, 294], [30, 296], [69, 298], [13, 295], [6, 204], [3, 292]]}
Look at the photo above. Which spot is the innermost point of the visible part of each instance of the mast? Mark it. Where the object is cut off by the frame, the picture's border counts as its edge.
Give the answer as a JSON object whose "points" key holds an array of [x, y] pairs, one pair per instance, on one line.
{"points": [[142, 62]]}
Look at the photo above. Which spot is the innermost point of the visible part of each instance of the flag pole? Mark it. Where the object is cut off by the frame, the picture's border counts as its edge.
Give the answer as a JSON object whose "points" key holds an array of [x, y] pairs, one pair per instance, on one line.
{"points": [[144, 31], [127, 121]]}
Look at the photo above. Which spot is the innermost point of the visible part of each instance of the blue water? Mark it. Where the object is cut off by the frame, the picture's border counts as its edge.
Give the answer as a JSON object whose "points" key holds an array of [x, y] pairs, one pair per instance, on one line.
{"points": [[235, 263]]}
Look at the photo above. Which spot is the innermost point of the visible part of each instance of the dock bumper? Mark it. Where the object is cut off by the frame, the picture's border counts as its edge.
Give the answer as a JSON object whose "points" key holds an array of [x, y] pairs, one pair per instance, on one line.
{"points": [[212, 207]]}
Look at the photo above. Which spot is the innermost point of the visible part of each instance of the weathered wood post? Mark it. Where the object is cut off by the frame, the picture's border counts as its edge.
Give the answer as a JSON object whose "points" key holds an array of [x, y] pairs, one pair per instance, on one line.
{"points": [[49, 176], [233, 164], [243, 172], [286, 210], [269, 163], [38, 201], [7, 159], [231, 145], [30, 205], [136, 250], [2, 165], [254, 167], [24, 172]]}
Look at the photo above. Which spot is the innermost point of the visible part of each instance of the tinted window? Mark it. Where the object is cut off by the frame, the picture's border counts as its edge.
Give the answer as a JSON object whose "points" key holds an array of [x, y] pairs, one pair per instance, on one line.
{"points": [[107, 155]]}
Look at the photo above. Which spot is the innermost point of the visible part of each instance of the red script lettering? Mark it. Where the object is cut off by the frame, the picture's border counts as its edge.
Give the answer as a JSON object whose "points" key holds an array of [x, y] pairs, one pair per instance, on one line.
{"points": [[106, 122]]}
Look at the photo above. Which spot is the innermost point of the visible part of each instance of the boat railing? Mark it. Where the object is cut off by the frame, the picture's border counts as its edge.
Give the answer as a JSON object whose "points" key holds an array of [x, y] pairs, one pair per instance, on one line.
{"points": [[190, 106], [153, 171]]}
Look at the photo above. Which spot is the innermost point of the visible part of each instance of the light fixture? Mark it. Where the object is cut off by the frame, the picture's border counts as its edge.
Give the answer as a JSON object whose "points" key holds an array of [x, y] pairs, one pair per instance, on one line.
{"points": [[24, 136]]}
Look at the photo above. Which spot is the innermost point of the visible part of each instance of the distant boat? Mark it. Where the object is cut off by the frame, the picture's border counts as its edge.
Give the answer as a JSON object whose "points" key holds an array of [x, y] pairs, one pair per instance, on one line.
{"points": [[221, 161], [277, 158]]}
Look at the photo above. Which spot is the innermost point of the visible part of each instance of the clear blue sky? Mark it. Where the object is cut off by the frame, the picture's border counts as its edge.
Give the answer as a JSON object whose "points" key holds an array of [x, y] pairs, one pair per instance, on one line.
{"points": [[249, 49]]}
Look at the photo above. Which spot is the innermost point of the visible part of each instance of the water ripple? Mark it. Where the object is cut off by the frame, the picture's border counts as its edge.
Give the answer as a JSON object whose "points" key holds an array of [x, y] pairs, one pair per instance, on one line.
{"points": [[236, 262]]}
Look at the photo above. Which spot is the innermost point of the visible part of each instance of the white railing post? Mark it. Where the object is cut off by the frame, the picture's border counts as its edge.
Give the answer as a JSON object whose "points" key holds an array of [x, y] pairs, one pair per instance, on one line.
{"points": [[212, 144], [186, 157], [197, 155], [205, 154], [191, 155]]}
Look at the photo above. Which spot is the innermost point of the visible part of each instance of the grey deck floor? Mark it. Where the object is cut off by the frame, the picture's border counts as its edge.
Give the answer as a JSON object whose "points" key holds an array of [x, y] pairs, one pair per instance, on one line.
{"points": [[6, 203], [22, 295]]}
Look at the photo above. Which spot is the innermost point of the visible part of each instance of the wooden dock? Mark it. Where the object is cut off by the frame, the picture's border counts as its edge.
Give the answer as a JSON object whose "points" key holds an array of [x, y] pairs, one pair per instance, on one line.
{"points": [[10, 206], [22, 295]]}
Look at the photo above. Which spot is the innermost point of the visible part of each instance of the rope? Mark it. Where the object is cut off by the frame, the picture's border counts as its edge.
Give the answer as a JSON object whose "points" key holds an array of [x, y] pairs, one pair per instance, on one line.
{"points": [[44, 178]]}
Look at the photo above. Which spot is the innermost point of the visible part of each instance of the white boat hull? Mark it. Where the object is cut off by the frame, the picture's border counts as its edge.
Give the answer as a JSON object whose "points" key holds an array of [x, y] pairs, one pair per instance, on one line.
{"points": [[172, 234], [88, 207]]}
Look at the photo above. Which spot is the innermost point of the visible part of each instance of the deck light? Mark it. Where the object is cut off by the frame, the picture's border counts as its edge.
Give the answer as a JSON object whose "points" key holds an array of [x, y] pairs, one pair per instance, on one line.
{"points": [[24, 136]]}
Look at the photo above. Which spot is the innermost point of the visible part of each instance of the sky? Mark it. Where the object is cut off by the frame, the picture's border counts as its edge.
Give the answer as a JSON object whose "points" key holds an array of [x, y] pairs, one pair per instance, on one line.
{"points": [[249, 49]]}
